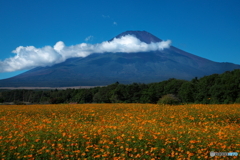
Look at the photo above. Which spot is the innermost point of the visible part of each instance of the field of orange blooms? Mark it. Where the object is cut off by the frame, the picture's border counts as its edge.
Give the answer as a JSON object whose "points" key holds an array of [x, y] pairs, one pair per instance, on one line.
{"points": [[118, 131]]}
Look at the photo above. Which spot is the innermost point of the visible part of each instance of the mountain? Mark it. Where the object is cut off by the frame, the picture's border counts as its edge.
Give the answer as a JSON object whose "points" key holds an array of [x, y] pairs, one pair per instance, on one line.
{"points": [[107, 68]]}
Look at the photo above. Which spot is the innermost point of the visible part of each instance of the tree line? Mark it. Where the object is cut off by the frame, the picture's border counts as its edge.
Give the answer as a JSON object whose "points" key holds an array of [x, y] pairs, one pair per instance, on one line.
{"points": [[214, 89]]}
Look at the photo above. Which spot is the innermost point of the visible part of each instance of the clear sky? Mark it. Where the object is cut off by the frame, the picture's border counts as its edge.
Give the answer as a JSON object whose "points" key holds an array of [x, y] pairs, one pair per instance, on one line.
{"points": [[207, 28]]}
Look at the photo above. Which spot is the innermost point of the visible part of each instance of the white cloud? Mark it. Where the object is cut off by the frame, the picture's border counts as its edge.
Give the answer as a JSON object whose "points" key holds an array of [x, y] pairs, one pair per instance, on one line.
{"points": [[31, 57], [105, 16], [115, 23], [88, 38]]}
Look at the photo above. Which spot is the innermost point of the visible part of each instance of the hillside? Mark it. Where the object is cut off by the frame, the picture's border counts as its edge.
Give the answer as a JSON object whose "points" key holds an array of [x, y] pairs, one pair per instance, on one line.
{"points": [[100, 69]]}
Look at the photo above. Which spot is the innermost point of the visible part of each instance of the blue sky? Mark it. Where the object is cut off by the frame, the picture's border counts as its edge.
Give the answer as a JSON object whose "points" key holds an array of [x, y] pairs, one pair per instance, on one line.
{"points": [[207, 28]]}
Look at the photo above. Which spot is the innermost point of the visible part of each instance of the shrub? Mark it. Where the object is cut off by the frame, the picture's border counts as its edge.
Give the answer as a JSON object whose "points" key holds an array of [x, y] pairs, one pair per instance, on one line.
{"points": [[169, 99], [237, 100], [1, 100]]}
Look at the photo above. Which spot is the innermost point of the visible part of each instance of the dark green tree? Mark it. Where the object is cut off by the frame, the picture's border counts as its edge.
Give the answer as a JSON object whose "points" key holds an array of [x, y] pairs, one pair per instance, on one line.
{"points": [[203, 88], [187, 92], [172, 86]]}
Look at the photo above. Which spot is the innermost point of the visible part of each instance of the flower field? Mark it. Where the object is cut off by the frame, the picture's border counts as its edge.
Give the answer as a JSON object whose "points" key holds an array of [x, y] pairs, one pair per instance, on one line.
{"points": [[118, 131]]}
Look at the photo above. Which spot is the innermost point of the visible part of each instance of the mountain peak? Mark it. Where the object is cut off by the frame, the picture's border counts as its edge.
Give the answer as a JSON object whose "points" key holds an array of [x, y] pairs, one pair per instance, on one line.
{"points": [[104, 69], [141, 35]]}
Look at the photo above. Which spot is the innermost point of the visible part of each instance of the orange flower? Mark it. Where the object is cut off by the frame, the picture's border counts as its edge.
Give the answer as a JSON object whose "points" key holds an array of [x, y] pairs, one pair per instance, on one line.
{"points": [[192, 141], [63, 134]]}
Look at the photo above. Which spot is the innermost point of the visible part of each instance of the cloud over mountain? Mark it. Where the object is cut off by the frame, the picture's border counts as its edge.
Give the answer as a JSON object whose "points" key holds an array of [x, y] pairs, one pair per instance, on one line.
{"points": [[31, 57], [141, 58], [88, 38]]}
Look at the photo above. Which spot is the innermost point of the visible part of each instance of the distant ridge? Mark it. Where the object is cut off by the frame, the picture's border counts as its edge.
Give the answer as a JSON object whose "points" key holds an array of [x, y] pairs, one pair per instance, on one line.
{"points": [[47, 88], [104, 69]]}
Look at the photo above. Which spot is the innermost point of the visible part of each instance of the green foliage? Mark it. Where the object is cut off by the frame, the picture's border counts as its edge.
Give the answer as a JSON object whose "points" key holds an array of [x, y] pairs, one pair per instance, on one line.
{"points": [[56, 100], [169, 99], [82, 96], [238, 100], [214, 89], [203, 88], [172, 86], [1, 100], [187, 92], [117, 95]]}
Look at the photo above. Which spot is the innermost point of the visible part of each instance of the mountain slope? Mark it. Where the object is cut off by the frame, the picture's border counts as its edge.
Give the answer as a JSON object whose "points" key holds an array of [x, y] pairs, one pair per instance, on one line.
{"points": [[103, 69]]}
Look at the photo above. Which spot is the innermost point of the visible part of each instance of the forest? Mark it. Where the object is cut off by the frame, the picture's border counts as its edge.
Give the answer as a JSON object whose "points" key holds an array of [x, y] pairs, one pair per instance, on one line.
{"points": [[214, 89]]}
